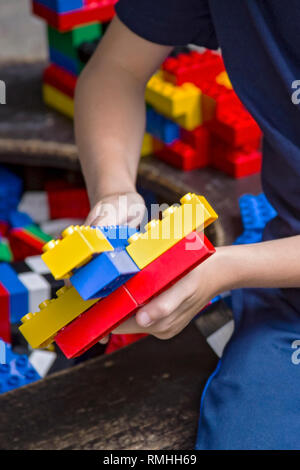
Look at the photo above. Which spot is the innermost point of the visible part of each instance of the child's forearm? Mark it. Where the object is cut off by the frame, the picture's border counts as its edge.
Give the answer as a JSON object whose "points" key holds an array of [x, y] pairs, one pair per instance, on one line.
{"points": [[110, 109], [269, 264], [109, 123]]}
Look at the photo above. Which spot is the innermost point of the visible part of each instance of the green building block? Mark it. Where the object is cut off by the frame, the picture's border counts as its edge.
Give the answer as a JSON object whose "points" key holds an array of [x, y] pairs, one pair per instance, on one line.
{"points": [[5, 251], [68, 42], [38, 233]]}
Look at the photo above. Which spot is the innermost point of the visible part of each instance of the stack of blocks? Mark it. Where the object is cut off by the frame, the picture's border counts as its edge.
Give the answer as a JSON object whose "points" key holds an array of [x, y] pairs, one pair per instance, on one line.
{"points": [[16, 371], [113, 271], [70, 23], [196, 119]]}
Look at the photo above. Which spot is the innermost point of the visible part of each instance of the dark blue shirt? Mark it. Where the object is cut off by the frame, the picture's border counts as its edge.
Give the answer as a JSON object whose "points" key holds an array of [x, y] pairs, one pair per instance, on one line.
{"points": [[260, 42]]}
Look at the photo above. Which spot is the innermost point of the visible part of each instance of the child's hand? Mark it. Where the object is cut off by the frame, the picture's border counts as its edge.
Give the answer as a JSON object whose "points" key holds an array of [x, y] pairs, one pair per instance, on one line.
{"points": [[169, 313], [118, 209]]}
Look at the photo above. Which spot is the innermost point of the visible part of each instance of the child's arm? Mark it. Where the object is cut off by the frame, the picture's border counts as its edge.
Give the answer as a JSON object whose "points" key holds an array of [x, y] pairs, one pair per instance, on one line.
{"points": [[110, 112]]}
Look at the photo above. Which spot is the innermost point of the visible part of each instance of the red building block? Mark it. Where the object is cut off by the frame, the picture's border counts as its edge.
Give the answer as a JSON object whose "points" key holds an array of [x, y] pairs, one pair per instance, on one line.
{"points": [[193, 67], [180, 155], [108, 313], [4, 226], [235, 126], [215, 96], [198, 139], [98, 321], [117, 342], [66, 200], [24, 244], [236, 162], [4, 315], [60, 79], [99, 10]]}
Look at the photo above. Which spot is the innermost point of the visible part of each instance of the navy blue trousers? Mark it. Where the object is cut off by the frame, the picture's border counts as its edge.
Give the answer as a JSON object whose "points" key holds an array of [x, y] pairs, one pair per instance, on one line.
{"points": [[252, 400]]}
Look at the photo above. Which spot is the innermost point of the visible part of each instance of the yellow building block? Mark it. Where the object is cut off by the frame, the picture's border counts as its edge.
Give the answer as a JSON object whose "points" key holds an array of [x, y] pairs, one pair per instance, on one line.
{"points": [[173, 101], [194, 213], [193, 117], [75, 249], [223, 79], [147, 146], [40, 328], [58, 100]]}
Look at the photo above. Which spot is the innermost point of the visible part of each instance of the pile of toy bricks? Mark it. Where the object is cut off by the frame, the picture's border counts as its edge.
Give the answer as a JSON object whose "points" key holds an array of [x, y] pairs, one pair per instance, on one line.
{"points": [[113, 271], [197, 120]]}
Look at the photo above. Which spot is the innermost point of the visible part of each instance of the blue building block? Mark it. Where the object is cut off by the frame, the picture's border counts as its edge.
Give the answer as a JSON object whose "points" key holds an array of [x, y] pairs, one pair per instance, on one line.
{"points": [[19, 219], [118, 235], [248, 237], [62, 6], [16, 372], [161, 127], [256, 211], [18, 294], [104, 274], [63, 61], [10, 192]]}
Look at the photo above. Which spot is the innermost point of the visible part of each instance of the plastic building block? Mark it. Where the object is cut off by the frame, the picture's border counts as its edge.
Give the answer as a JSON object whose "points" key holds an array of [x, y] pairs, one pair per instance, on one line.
{"points": [[256, 211], [169, 267], [27, 241], [18, 295], [66, 200], [237, 162], [35, 204], [98, 321], [180, 155], [4, 314], [100, 11], [38, 289], [198, 139], [118, 235], [249, 237], [5, 251], [76, 248], [193, 67], [160, 235], [19, 219], [69, 64], [104, 274], [40, 328], [161, 127], [117, 342], [58, 100], [60, 79], [4, 227], [16, 372], [147, 145], [236, 126], [107, 314], [173, 101], [62, 6], [67, 43], [215, 97], [10, 192]]}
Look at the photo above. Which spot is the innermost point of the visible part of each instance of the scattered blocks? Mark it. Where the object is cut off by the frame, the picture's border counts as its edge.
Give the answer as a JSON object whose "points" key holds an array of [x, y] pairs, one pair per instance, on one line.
{"points": [[66, 200], [76, 248], [27, 241], [18, 295], [5, 251], [40, 328], [4, 314]]}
